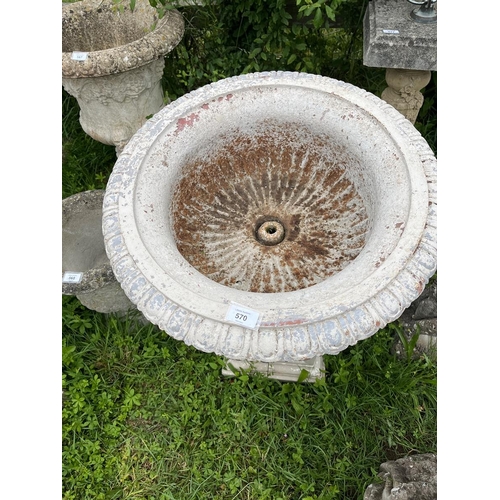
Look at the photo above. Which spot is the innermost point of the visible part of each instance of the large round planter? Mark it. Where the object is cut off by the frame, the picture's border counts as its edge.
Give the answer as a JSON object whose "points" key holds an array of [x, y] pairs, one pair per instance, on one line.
{"points": [[273, 217], [86, 270], [113, 62]]}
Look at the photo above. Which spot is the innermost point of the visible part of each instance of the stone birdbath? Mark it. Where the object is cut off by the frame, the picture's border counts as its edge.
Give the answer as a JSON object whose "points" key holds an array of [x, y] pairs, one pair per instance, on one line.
{"points": [[86, 271], [113, 62], [272, 218]]}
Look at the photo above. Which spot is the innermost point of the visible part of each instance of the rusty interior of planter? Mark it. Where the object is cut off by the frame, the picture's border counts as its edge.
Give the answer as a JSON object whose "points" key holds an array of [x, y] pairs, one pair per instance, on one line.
{"points": [[277, 196], [271, 211]]}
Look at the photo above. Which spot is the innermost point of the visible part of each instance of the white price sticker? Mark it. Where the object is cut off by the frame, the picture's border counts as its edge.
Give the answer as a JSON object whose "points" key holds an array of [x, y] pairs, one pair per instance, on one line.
{"points": [[391, 32], [242, 316], [79, 56], [70, 277]]}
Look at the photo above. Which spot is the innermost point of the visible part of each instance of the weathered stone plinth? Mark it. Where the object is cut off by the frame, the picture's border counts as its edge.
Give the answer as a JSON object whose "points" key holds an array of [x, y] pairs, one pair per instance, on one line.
{"points": [[408, 49], [113, 62]]}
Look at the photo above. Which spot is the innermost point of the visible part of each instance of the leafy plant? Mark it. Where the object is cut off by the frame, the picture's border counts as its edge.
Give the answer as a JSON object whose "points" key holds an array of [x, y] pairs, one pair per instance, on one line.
{"points": [[426, 122], [225, 39]]}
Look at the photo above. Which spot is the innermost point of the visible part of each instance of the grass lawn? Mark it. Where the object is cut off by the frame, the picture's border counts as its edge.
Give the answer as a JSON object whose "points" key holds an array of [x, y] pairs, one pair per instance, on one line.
{"points": [[147, 417]]}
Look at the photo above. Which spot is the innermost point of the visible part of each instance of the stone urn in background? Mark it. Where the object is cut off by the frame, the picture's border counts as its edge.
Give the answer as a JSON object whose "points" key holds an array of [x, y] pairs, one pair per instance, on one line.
{"points": [[113, 62], [86, 270], [272, 218]]}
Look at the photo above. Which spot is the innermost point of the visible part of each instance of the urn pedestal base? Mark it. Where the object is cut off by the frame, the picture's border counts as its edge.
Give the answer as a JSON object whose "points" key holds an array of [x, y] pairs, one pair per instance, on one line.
{"points": [[282, 370]]}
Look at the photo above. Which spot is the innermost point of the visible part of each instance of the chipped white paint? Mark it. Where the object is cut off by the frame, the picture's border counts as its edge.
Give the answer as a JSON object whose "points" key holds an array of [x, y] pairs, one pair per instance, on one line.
{"points": [[391, 168]]}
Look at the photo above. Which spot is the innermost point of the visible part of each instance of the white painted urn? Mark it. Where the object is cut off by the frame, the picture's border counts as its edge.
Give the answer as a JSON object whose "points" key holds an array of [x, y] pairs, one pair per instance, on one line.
{"points": [[113, 61], [273, 217]]}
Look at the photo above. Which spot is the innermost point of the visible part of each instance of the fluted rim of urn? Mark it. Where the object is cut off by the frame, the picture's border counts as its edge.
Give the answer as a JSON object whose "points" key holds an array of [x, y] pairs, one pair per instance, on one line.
{"points": [[367, 309], [167, 33]]}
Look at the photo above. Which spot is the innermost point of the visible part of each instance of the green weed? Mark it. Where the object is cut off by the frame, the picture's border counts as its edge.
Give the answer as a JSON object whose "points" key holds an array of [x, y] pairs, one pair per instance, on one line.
{"points": [[146, 416]]}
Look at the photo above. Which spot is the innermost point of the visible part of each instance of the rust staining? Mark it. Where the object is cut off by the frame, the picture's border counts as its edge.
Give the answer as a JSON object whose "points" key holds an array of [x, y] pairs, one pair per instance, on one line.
{"points": [[186, 122], [278, 173], [289, 322], [315, 246]]}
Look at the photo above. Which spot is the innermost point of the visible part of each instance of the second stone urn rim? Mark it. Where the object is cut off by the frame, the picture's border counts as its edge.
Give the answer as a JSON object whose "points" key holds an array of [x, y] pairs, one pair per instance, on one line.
{"points": [[322, 319], [92, 280], [99, 276], [153, 45]]}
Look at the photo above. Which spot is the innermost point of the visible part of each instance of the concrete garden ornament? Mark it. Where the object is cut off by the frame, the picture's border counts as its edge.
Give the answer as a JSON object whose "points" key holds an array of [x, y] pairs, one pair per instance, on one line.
{"points": [[113, 62], [408, 478], [86, 270], [273, 217]]}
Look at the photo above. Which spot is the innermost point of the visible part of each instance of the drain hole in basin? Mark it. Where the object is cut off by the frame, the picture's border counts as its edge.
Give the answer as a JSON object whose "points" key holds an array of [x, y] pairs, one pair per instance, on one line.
{"points": [[269, 232]]}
